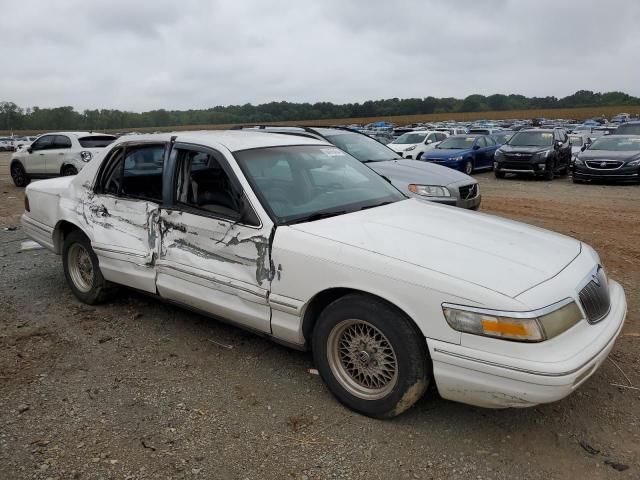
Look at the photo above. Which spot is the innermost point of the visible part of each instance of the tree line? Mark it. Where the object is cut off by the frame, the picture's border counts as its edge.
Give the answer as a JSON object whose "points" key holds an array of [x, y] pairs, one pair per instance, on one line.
{"points": [[13, 117]]}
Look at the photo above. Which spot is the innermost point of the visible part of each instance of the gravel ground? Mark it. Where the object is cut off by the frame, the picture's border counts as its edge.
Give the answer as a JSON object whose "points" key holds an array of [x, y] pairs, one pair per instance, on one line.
{"points": [[139, 389]]}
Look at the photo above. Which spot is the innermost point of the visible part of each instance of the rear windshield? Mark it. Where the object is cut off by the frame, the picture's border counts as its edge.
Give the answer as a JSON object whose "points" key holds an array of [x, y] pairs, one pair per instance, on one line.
{"points": [[576, 140], [96, 141], [362, 147]]}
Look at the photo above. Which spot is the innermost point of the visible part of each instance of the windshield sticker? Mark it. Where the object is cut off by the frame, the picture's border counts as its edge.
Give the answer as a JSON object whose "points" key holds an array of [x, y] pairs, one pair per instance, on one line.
{"points": [[333, 152]]}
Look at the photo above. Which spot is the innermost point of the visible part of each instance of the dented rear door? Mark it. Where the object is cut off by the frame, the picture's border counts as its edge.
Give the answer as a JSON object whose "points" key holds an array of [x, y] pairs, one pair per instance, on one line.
{"points": [[210, 258]]}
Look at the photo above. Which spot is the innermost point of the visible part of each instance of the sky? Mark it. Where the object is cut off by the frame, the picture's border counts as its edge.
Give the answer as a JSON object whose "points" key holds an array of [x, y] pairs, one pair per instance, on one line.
{"points": [[181, 54]]}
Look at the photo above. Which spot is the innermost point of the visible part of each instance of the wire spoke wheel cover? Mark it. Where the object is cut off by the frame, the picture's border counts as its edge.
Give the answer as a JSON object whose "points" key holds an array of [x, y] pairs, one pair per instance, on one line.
{"points": [[362, 359], [80, 267]]}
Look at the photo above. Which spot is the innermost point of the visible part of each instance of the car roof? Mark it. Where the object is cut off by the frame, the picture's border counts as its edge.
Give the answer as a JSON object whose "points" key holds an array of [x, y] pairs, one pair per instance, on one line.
{"points": [[80, 134], [233, 140], [467, 135]]}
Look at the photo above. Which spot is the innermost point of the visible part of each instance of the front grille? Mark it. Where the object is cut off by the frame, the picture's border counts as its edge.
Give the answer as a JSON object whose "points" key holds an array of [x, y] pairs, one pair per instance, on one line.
{"points": [[594, 296], [604, 164], [468, 192], [518, 157]]}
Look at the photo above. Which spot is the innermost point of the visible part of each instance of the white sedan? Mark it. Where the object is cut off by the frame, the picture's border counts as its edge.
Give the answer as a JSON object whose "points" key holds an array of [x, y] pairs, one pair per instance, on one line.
{"points": [[414, 144], [296, 240], [55, 154]]}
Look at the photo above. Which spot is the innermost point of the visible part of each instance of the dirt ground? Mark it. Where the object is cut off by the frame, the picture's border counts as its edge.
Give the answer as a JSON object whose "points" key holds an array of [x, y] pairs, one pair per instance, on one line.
{"points": [[138, 389]]}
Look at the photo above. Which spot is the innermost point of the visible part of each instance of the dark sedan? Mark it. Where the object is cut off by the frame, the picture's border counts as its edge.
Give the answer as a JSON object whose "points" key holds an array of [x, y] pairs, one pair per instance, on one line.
{"points": [[613, 158]]}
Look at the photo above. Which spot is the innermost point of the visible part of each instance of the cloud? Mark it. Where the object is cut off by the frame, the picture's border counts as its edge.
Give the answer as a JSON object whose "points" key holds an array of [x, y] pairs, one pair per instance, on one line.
{"points": [[197, 54]]}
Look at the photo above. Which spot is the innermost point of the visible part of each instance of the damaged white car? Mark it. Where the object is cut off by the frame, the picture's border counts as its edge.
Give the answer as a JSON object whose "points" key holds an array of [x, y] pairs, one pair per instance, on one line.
{"points": [[294, 239]]}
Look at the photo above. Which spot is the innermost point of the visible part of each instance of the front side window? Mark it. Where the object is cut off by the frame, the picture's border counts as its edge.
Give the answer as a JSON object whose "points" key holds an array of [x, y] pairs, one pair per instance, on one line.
{"points": [[203, 184], [324, 181], [43, 143], [62, 141]]}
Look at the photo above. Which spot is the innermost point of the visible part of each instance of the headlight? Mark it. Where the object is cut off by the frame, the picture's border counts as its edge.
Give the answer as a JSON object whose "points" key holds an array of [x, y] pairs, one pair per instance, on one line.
{"points": [[412, 147], [499, 154], [86, 156], [429, 190], [457, 159], [544, 154], [534, 326], [634, 163], [577, 161]]}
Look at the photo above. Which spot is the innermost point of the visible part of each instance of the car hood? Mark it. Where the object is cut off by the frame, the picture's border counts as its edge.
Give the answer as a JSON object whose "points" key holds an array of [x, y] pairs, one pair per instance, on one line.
{"points": [[446, 153], [502, 255], [609, 155], [421, 173], [511, 149]]}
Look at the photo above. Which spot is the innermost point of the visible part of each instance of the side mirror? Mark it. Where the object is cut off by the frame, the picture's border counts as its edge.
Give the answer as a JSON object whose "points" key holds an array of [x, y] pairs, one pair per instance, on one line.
{"points": [[429, 141], [584, 147], [476, 147], [29, 149], [558, 143]]}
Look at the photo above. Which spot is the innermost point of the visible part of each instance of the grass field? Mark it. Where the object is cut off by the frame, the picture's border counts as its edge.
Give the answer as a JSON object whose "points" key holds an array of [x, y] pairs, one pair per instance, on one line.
{"points": [[565, 113]]}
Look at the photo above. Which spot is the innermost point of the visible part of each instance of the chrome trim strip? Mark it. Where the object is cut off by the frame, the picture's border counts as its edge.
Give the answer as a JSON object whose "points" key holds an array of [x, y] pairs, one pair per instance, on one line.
{"points": [[40, 226], [282, 304], [604, 175], [120, 252], [503, 313], [513, 170]]}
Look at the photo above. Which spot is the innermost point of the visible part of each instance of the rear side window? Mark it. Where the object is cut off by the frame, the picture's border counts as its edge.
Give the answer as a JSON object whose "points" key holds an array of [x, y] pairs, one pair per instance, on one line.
{"points": [[481, 142], [61, 141], [96, 141], [134, 172]]}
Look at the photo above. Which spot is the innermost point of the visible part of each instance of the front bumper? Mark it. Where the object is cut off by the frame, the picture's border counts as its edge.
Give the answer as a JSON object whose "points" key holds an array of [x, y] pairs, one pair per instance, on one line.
{"points": [[620, 174], [488, 380], [445, 162], [529, 166]]}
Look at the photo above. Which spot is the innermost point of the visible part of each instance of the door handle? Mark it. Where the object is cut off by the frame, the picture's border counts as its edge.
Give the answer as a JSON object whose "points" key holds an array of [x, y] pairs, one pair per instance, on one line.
{"points": [[173, 226], [99, 210]]}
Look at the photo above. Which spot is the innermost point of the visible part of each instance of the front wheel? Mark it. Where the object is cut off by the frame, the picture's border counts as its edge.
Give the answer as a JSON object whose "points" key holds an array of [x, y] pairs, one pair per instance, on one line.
{"points": [[19, 175], [82, 270], [499, 174], [69, 170], [371, 356], [468, 167]]}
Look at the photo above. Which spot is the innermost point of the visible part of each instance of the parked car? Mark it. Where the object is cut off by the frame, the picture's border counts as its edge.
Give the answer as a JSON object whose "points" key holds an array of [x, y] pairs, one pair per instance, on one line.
{"points": [[415, 144], [21, 142], [6, 144], [628, 128], [411, 177], [539, 152], [614, 157], [466, 153], [294, 239], [54, 154]]}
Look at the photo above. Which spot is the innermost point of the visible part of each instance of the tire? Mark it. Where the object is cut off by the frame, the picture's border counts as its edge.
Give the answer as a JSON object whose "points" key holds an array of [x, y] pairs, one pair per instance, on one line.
{"points": [[499, 174], [19, 175], [388, 391], [549, 173], [468, 167], [82, 270], [419, 156], [68, 171]]}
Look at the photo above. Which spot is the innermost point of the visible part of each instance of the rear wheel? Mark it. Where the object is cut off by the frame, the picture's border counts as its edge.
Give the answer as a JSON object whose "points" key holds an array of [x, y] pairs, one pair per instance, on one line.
{"points": [[82, 270], [371, 356], [19, 175], [499, 174], [69, 170]]}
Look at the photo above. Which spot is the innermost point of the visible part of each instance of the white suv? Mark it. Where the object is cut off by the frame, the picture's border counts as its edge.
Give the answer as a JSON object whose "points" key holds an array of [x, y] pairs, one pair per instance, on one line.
{"points": [[414, 144], [56, 154]]}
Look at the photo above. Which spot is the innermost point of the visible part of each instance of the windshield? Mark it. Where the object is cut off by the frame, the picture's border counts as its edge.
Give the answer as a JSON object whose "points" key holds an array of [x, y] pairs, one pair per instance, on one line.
{"points": [[410, 138], [305, 183], [531, 139], [362, 147], [616, 144], [456, 143], [576, 140], [96, 141], [629, 129]]}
